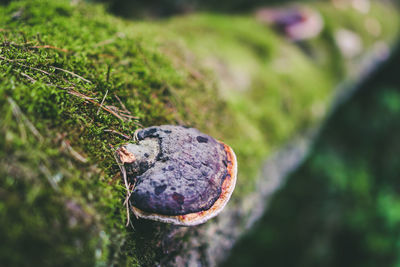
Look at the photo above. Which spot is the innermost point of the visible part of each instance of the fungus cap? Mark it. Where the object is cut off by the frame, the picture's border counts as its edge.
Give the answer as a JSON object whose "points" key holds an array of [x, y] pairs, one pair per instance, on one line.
{"points": [[181, 175]]}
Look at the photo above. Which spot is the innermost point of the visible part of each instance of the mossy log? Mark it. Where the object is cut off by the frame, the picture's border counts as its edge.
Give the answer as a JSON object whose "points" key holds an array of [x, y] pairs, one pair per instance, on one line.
{"points": [[76, 82]]}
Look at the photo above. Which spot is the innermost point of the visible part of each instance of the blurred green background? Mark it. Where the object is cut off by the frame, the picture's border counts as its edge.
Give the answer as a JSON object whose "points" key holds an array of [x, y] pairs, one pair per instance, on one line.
{"points": [[342, 207]]}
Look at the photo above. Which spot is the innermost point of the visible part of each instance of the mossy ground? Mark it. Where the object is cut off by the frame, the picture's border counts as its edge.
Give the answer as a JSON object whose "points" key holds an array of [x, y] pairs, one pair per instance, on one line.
{"points": [[61, 199]]}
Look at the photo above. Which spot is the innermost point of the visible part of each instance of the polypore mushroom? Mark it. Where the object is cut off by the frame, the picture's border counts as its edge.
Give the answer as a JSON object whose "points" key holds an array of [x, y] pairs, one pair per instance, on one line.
{"points": [[181, 175]]}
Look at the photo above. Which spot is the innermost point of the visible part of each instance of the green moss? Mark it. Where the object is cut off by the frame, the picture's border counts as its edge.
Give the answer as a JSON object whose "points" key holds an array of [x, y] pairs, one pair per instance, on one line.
{"points": [[60, 191], [36, 47]]}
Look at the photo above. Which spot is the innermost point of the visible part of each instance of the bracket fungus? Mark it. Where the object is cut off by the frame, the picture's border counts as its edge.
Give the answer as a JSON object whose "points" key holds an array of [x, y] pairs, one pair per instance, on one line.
{"points": [[180, 175]]}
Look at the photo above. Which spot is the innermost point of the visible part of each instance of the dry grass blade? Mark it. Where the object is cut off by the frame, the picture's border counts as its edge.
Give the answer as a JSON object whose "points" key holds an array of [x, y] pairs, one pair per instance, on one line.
{"points": [[43, 168], [111, 109], [19, 114], [128, 137], [71, 73], [127, 187], [75, 93], [125, 110], [28, 77], [66, 145], [50, 47], [91, 100], [122, 104], [27, 45], [102, 102], [23, 65], [129, 116], [122, 113]]}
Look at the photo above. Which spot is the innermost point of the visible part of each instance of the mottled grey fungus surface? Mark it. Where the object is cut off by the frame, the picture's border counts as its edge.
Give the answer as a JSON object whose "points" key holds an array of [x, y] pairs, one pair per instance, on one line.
{"points": [[181, 175]]}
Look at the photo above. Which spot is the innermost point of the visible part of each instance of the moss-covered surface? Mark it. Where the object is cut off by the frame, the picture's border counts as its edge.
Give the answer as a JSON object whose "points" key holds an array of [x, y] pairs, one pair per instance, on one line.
{"points": [[72, 76], [276, 88]]}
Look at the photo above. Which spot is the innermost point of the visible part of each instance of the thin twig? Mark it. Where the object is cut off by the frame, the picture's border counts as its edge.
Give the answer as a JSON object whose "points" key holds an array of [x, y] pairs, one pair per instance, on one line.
{"points": [[65, 80], [66, 145], [19, 114], [105, 42], [73, 74], [109, 110], [138, 124], [50, 47], [122, 104], [73, 92], [102, 102], [122, 112], [116, 112], [29, 46], [24, 45], [127, 216], [87, 98], [19, 59], [28, 77], [127, 137], [26, 66], [129, 116], [43, 168], [111, 40], [108, 73], [128, 193], [131, 224], [70, 90]]}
